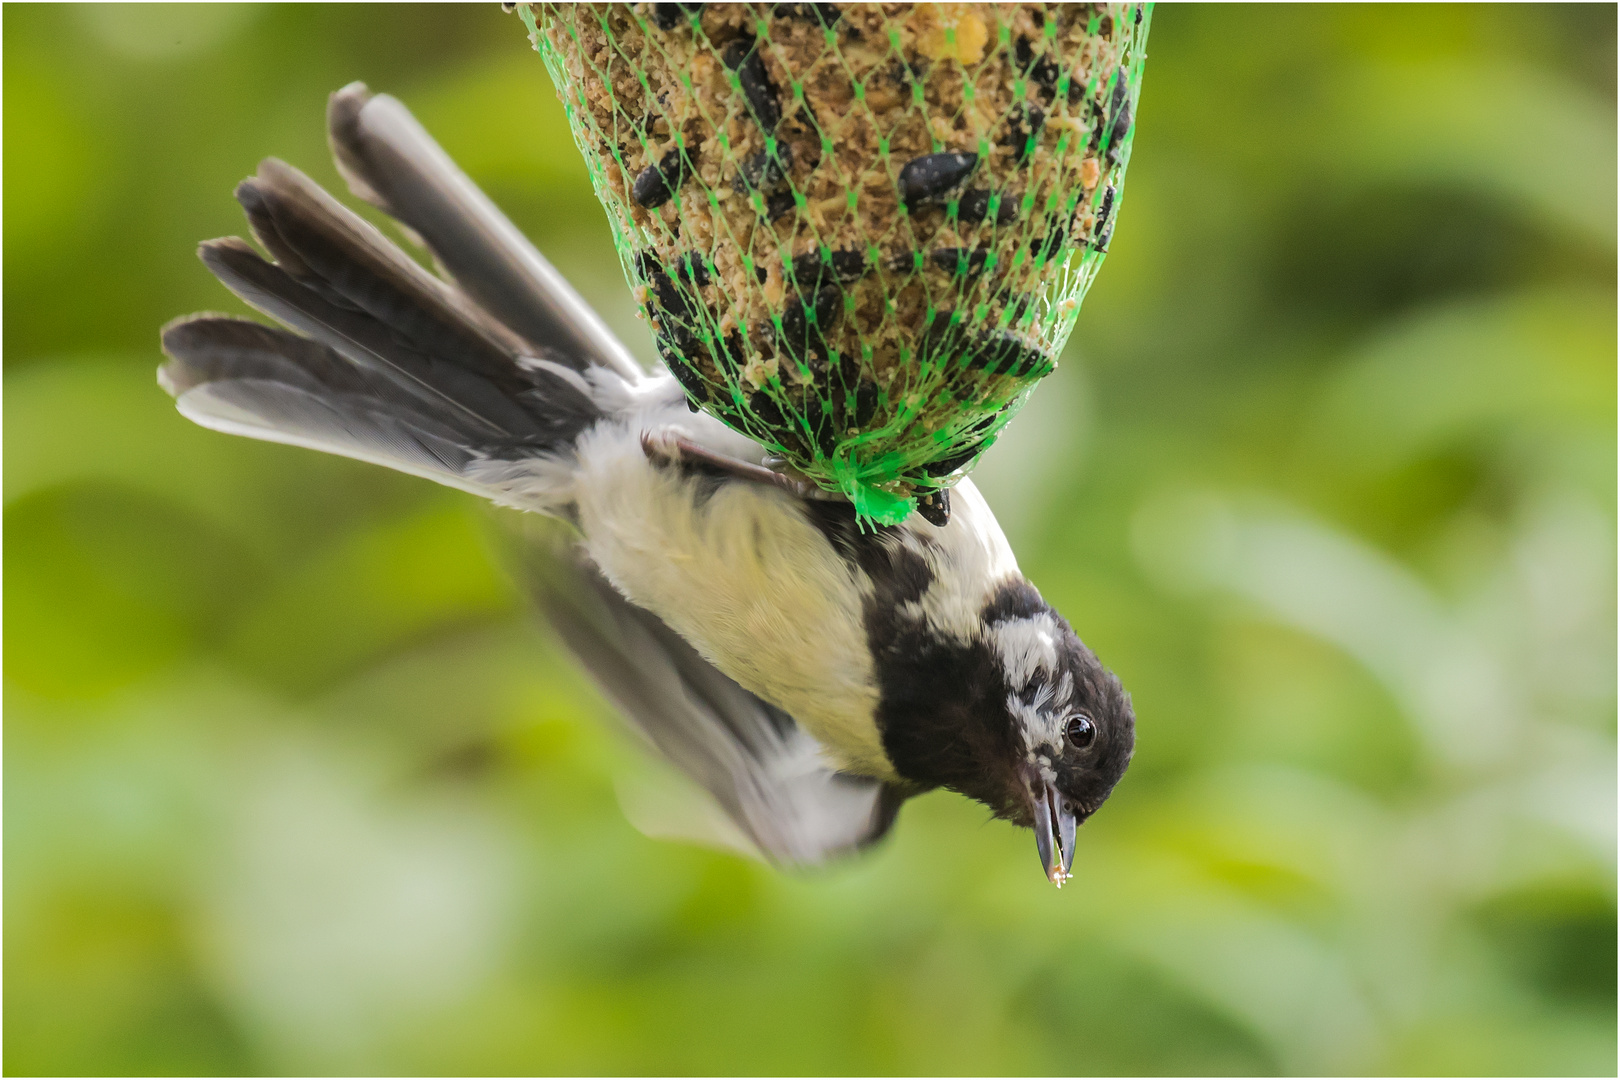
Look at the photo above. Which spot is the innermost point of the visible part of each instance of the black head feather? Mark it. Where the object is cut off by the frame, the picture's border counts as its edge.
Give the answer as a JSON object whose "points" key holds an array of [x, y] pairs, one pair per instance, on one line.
{"points": [[976, 716]]}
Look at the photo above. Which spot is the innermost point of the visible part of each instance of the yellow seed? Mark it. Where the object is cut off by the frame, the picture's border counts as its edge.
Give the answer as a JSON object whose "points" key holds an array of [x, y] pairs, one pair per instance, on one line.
{"points": [[758, 371], [971, 37], [953, 31], [772, 289]]}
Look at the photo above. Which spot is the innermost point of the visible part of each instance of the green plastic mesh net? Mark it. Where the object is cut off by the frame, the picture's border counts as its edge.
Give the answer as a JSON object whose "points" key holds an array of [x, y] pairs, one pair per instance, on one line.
{"points": [[860, 232]]}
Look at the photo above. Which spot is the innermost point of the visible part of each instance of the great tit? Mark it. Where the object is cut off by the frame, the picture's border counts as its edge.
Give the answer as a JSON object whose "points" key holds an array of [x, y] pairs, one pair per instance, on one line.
{"points": [[810, 673]]}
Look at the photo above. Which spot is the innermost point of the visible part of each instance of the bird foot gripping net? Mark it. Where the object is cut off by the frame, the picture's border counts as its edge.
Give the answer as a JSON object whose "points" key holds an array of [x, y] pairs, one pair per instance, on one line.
{"points": [[861, 232]]}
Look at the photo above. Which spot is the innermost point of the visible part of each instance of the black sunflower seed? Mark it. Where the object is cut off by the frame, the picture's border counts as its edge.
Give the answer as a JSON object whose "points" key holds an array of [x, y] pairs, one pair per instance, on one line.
{"points": [[779, 204], [822, 14], [968, 262], [679, 324], [1001, 353], [828, 303], [1015, 303], [647, 264], [768, 412], [742, 56], [806, 319], [1047, 247], [677, 338], [763, 171], [796, 332], [812, 270], [983, 427], [1120, 106], [657, 183], [1056, 240], [821, 429], [942, 342], [849, 263], [974, 207], [946, 466], [731, 355], [1105, 212], [996, 352], [686, 375], [693, 268], [1024, 124], [1041, 69], [925, 179], [669, 16], [1046, 74], [935, 507], [1097, 125], [866, 402], [809, 271], [900, 262], [666, 296]]}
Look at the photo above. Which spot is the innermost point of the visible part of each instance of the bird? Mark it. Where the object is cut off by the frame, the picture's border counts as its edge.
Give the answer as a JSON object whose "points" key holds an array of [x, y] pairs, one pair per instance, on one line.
{"points": [[810, 671]]}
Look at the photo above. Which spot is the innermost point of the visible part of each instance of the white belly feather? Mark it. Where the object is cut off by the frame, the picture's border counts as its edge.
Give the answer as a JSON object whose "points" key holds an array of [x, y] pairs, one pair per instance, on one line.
{"points": [[756, 588], [744, 578]]}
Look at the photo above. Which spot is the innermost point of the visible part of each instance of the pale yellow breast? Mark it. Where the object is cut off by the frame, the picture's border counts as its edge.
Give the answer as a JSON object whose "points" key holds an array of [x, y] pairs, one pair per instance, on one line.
{"points": [[750, 584]]}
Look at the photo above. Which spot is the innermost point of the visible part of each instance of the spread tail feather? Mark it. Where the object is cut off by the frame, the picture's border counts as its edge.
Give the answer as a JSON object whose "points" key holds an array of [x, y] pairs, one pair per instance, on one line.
{"points": [[244, 378], [391, 161], [394, 366]]}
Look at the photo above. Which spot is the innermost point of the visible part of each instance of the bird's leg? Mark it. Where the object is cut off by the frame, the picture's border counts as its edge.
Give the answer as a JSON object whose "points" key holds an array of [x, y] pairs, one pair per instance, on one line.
{"points": [[669, 447]]}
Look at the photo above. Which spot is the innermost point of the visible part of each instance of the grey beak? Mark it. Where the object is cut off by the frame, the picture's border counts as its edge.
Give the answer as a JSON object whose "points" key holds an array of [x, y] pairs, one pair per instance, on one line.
{"points": [[1055, 825]]}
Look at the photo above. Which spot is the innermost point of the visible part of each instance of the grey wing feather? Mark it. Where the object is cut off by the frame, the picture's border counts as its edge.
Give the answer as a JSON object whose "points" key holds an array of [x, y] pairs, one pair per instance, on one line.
{"points": [[392, 162], [765, 771]]}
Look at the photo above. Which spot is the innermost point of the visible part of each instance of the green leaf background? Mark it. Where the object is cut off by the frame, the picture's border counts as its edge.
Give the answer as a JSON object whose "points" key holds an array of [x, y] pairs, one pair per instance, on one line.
{"points": [[294, 784]]}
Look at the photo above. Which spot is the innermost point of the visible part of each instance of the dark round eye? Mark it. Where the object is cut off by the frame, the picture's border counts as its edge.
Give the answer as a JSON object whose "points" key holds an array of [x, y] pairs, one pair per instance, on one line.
{"points": [[1080, 731]]}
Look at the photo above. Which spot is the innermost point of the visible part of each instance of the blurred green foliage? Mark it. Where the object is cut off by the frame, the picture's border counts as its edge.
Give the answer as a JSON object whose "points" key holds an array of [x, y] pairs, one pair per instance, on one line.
{"points": [[292, 783]]}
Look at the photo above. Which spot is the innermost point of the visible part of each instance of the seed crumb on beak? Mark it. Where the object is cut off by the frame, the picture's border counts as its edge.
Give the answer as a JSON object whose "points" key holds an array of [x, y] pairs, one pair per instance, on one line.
{"points": [[1055, 824]]}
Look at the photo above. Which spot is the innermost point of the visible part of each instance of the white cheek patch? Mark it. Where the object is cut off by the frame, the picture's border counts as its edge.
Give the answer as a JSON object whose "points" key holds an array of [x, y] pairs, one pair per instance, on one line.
{"points": [[969, 558], [1038, 725], [1039, 731], [1026, 646]]}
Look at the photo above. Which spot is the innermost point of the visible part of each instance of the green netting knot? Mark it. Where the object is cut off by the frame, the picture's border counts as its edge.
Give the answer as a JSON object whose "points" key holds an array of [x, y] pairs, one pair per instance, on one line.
{"points": [[878, 507]]}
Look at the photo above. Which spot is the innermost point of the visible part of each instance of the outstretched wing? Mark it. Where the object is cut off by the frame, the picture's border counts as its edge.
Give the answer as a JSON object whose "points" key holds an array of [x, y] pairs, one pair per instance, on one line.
{"points": [[765, 771]]}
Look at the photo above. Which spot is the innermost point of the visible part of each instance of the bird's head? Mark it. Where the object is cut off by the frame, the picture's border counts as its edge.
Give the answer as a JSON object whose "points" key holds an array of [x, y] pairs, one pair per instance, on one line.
{"points": [[1025, 719]]}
